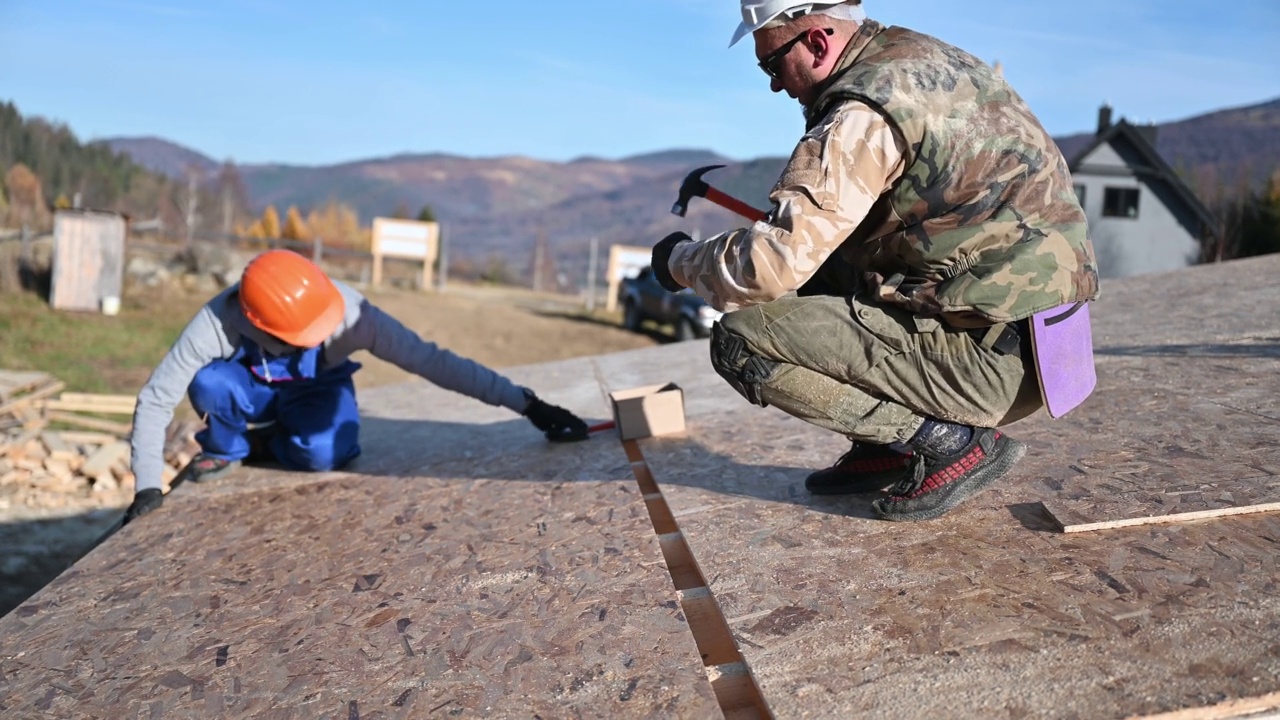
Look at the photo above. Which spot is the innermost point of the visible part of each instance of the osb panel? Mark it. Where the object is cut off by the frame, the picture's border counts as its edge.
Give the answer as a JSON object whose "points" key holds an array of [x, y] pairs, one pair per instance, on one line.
{"points": [[533, 586], [987, 612], [1202, 304]]}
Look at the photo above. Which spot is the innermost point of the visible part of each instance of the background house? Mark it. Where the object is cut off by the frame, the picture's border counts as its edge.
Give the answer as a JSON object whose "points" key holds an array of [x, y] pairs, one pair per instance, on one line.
{"points": [[1142, 216]]}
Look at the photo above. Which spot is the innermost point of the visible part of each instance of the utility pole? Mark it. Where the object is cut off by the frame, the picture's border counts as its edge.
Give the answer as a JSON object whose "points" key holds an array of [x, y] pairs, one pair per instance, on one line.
{"points": [[228, 209], [539, 249], [192, 184], [592, 257]]}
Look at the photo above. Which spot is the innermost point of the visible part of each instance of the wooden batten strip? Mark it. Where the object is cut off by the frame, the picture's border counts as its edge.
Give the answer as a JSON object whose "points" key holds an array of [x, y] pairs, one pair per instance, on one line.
{"points": [[1065, 522]]}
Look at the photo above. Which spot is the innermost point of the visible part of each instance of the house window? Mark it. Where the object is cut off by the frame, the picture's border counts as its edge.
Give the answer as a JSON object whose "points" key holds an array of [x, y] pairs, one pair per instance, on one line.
{"points": [[1120, 202], [1080, 194]]}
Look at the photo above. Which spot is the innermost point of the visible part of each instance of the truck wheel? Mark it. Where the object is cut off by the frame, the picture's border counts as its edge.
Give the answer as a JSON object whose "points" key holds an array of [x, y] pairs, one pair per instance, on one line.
{"points": [[685, 330], [631, 316]]}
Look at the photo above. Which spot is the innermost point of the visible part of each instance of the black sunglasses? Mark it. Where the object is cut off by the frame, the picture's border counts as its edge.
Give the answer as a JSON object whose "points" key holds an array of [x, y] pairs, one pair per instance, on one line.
{"points": [[769, 63]]}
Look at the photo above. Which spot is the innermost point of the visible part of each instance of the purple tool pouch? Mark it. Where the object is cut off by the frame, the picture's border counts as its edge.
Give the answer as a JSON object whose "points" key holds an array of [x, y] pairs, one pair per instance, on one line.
{"points": [[1063, 345]]}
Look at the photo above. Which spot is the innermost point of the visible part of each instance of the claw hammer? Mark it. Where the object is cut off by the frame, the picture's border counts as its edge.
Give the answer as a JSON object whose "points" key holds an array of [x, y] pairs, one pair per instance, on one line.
{"points": [[694, 186]]}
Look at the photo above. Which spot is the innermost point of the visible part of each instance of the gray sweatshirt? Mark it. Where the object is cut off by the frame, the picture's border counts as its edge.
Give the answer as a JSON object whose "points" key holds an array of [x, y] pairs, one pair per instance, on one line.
{"points": [[218, 330]]}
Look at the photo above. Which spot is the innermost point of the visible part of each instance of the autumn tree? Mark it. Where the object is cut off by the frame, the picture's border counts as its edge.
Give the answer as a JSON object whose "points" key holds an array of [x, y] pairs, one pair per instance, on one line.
{"points": [[295, 228], [271, 222], [338, 225], [26, 199]]}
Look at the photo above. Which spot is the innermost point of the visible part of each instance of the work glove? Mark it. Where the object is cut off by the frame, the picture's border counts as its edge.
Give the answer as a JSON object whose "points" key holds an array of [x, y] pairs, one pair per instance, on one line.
{"points": [[558, 424], [661, 261], [144, 501]]}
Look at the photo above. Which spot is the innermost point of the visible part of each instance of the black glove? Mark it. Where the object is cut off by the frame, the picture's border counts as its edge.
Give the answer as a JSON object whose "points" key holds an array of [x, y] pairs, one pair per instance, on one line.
{"points": [[558, 424], [144, 501], [661, 260]]}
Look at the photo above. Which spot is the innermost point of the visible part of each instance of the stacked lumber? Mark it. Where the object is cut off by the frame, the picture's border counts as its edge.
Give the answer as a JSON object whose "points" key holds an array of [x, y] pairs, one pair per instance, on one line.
{"points": [[65, 449]]}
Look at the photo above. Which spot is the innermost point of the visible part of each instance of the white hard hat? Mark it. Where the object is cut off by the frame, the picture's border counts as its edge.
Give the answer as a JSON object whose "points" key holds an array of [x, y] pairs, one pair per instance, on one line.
{"points": [[758, 13]]}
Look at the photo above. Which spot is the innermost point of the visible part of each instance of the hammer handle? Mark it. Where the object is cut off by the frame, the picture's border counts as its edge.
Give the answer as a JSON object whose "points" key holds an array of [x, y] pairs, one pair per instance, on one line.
{"points": [[728, 202]]}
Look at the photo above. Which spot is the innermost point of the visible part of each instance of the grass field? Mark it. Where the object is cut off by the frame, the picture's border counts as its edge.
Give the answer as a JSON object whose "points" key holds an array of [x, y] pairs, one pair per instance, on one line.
{"points": [[91, 352]]}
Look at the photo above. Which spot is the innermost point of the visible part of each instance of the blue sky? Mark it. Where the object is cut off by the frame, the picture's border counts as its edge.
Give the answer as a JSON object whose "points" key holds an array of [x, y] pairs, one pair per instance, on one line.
{"points": [[320, 82]]}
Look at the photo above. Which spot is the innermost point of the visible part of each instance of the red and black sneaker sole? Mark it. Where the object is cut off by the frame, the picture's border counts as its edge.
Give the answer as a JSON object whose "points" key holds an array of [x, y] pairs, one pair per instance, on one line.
{"points": [[1005, 452]]}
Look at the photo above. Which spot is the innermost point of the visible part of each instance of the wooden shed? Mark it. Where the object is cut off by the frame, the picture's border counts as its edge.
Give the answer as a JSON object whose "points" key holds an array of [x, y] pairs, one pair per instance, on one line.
{"points": [[88, 261]]}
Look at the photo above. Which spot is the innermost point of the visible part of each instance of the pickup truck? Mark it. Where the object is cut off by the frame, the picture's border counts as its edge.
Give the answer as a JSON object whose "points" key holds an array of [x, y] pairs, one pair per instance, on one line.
{"points": [[642, 298]]}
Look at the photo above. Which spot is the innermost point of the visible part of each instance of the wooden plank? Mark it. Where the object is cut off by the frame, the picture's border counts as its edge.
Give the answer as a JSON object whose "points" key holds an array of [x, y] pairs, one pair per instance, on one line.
{"points": [[1225, 711], [63, 404], [77, 437], [98, 399], [115, 428], [51, 388], [1086, 512]]}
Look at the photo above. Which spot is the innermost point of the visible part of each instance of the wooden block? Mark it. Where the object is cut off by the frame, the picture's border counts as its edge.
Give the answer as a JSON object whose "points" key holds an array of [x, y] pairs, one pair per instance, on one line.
{"points": [[16, 444], [58, 468], [57, 446], [100, 462], [1202, 501]]}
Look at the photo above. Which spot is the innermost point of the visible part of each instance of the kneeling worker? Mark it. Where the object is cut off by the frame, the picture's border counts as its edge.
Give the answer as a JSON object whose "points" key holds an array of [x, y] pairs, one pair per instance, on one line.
{"points": [[275, 348]]}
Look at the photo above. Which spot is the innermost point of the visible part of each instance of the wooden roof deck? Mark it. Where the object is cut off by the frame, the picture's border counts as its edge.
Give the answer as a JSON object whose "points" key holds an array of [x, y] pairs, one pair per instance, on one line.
{"points": [[464, 568]]}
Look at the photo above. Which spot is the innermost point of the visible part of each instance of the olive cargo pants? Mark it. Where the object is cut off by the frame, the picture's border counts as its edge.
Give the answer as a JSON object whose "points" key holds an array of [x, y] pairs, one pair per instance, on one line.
{"points": [[870, 372]]}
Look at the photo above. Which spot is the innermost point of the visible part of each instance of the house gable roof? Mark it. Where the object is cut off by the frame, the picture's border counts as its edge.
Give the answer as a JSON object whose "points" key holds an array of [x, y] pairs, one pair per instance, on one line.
{"points": [[1156, 167]]}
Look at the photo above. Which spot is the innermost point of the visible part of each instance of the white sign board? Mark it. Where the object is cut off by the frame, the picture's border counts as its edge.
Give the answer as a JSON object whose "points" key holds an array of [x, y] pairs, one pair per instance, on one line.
{"points": [[405, 239]]}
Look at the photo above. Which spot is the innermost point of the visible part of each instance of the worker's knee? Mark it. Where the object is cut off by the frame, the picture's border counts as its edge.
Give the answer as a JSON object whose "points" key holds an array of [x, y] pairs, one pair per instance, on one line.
{"points": [[744, 370], [214, 387]]}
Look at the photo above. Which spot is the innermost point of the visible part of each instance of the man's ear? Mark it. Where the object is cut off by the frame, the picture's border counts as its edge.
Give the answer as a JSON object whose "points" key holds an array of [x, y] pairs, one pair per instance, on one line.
{"points": [[820, 45]]}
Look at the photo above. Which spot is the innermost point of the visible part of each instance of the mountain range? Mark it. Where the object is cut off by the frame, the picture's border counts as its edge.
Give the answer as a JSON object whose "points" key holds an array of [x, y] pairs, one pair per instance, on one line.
{"points": [[496, 207]]}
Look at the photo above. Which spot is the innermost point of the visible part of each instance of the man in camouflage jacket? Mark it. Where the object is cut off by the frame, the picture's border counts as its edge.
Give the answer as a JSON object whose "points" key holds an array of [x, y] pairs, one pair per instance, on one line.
{"points": [[921, 220]]}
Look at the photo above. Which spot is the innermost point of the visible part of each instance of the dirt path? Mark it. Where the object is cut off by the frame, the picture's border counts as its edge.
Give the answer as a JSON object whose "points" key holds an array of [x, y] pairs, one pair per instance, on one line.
{"points": [[499, 327]]}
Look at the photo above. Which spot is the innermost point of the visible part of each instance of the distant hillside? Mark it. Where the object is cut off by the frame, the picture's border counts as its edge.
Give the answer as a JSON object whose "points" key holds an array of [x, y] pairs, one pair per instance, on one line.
{"points": [[160, 155], [497, 206]]}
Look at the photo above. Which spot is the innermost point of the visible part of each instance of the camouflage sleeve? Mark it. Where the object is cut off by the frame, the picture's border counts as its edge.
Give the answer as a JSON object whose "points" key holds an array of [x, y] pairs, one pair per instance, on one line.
{"points": [[833, 178]]}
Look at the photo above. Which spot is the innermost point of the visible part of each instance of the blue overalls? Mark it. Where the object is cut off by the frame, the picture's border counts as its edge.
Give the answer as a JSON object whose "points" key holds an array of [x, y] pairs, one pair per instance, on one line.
{"points": [[315, 411]]}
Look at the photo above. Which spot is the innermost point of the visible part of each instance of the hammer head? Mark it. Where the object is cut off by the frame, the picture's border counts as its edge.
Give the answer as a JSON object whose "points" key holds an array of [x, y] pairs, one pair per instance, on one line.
{"points": [[693, 186]]}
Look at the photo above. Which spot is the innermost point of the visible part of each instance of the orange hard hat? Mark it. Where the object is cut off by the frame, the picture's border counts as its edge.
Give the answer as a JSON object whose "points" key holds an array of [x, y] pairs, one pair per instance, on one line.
{"points": [[289, 297]]}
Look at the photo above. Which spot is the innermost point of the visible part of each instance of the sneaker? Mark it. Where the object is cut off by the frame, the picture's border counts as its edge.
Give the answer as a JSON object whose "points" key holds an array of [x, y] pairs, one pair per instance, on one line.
{"points": [[865, 468], [937, 483], [203, 467]]}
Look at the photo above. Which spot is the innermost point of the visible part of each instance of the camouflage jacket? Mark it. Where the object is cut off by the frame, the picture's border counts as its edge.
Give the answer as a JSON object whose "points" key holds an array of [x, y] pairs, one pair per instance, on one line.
{"points": [[971, 216]]}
